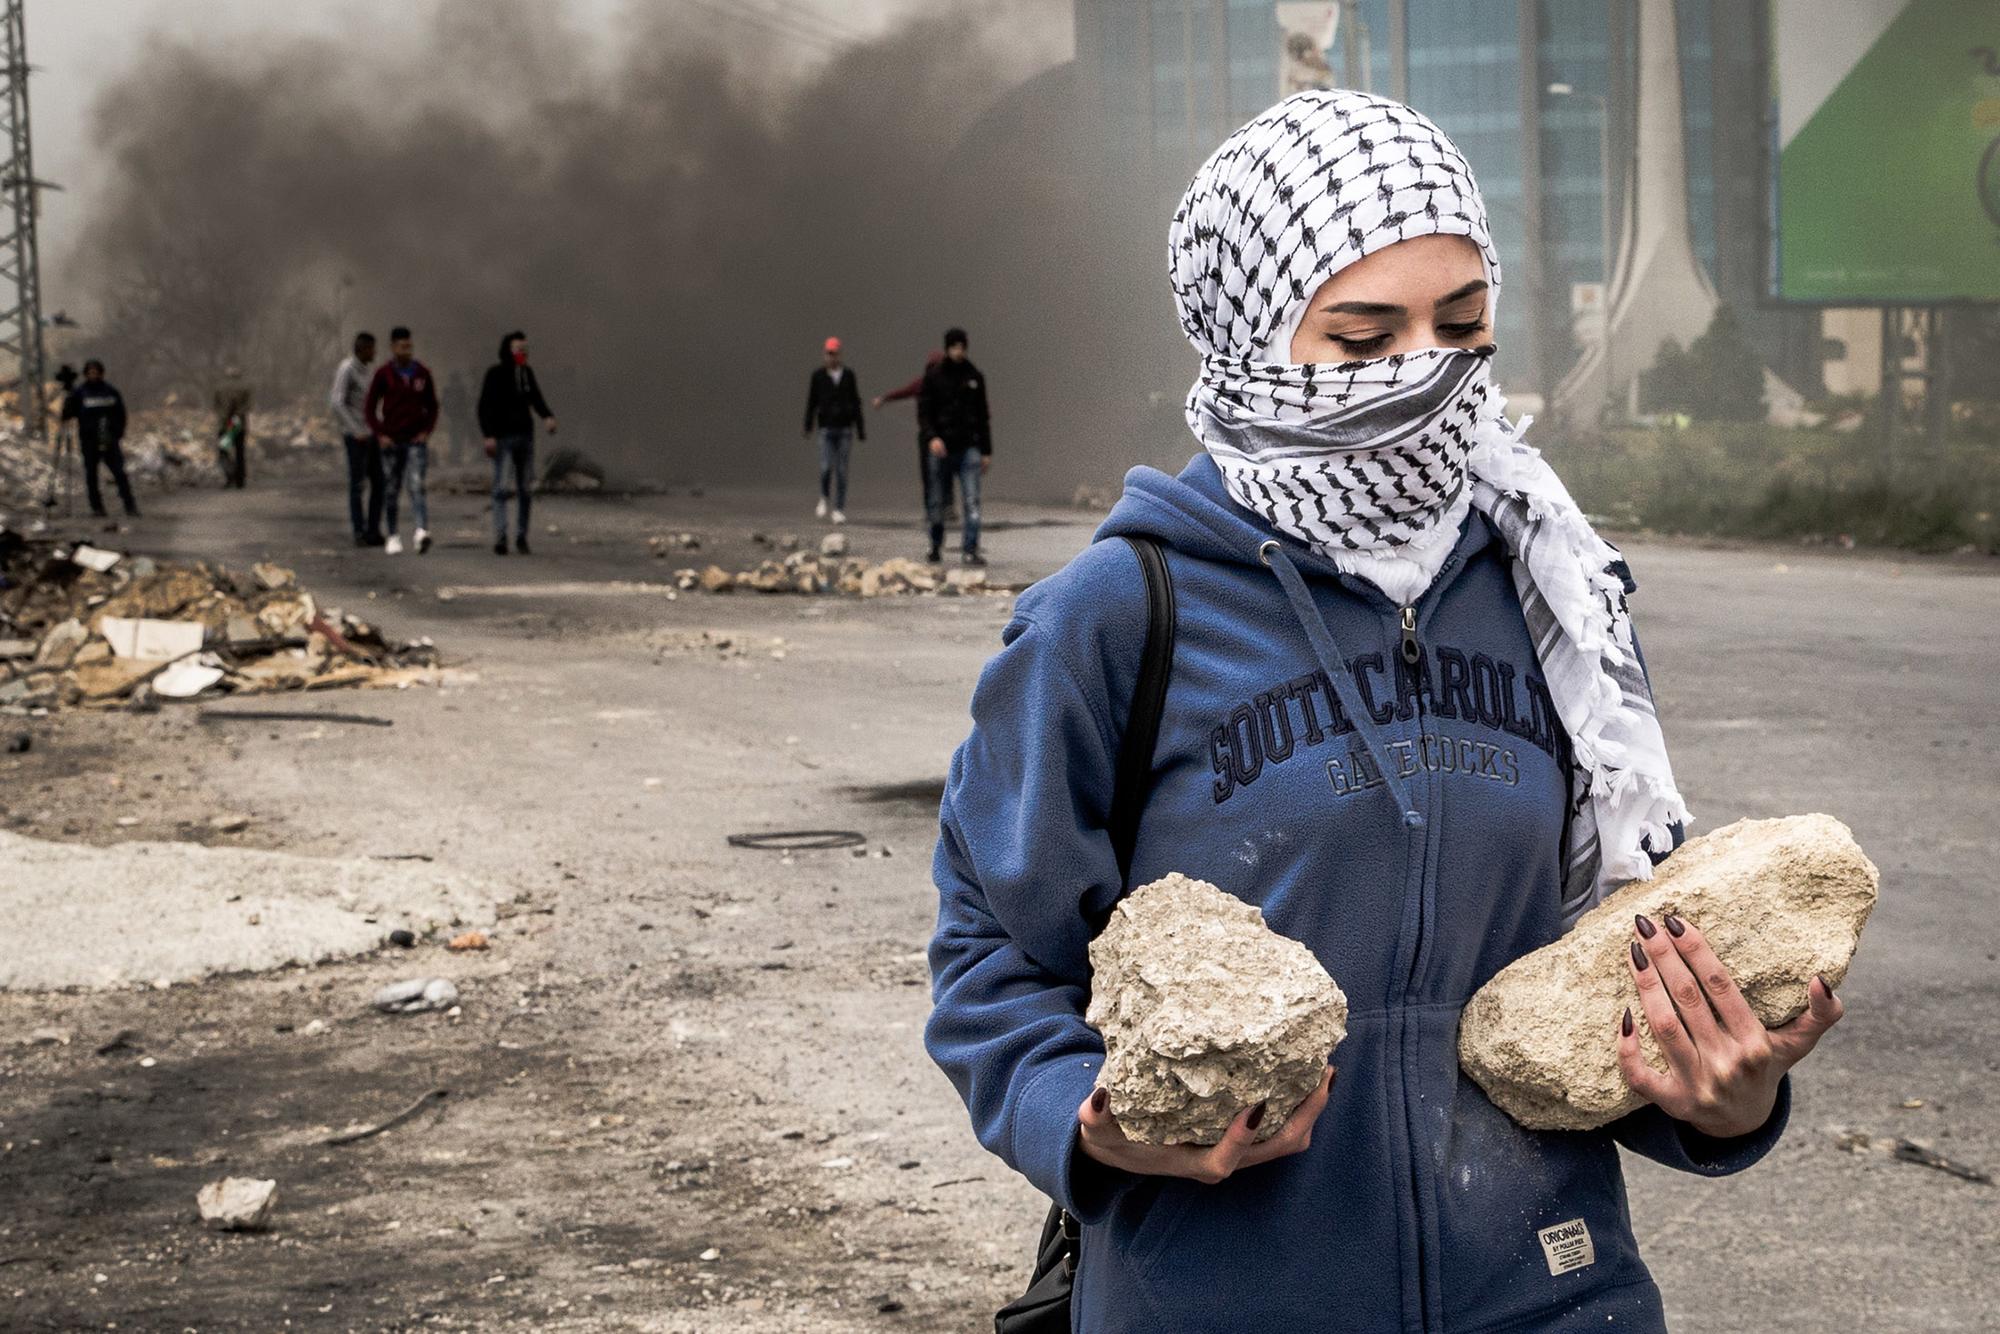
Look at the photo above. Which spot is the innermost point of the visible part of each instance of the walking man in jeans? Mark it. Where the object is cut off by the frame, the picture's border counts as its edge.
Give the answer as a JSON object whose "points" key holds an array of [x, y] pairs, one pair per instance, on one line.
{"points": [[833, 405], [402, 411], [99, 413], [349, 403], [951, 409], [509, 402]]}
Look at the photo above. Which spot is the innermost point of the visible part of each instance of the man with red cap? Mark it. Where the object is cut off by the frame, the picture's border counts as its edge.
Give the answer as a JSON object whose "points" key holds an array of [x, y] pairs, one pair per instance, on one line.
{"points": [[833, 408]]}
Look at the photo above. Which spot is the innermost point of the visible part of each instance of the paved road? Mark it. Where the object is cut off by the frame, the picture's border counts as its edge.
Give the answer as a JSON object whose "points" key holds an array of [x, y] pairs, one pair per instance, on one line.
{"points": [[731, 1000]]}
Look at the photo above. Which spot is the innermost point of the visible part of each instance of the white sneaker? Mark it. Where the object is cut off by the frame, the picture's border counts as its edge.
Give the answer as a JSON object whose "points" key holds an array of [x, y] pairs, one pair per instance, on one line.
{"points": [[423, 540], [819, 510], [393, 547], [840, 516]]}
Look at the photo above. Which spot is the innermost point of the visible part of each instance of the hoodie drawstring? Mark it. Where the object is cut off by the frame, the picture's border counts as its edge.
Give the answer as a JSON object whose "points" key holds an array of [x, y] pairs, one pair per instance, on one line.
{"points": [[1273, 555]]}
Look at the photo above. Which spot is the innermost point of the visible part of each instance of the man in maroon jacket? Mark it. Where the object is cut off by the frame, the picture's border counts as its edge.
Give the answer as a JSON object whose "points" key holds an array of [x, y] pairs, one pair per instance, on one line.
{"points": [[402, 410]]}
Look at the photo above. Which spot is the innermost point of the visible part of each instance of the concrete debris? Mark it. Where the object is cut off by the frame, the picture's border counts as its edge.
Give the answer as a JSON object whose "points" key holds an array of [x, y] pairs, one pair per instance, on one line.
{"points": [[1778, 900], [416, 995], [1206, 1011], [815, 573], [833, 544], [469, 940], [237, 1204], [94, 558], [138, 630], [663, 545], [49, 1037], [229, 824], [20, 744], [141, 911], [403, 939]]}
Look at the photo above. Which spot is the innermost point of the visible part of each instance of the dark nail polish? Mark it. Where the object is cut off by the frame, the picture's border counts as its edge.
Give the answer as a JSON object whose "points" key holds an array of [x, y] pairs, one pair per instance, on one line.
{"points": [[1256, 1117], [1645, 925], [1098, 1099], [1675, 926], [1625, 1025], [1639, 959]]}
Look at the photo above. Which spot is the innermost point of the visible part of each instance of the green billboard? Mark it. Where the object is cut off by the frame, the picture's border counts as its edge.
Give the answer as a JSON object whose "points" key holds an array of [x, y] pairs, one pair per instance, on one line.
{"points": [[1886, 170]]}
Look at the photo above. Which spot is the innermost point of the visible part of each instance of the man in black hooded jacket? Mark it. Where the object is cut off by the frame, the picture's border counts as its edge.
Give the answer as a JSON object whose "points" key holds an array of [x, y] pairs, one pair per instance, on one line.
{"points": [[509, 402], [953, 416]]}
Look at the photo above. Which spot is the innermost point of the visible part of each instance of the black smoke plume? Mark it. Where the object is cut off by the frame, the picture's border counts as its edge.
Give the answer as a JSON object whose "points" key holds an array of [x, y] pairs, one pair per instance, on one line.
{"points": [[677, 219]]}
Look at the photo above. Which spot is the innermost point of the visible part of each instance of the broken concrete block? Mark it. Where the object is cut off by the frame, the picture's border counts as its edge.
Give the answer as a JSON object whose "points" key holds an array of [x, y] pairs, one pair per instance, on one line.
{"points": [[1206, 1011], [715, 579], [833, 544], [60, 644], [237, 1204], [1779, 900], [272, 577]]}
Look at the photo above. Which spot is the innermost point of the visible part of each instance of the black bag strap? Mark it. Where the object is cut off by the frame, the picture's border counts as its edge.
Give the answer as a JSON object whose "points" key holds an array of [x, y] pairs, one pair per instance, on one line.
{"points": [[1133, 783], [1044, 1308]]}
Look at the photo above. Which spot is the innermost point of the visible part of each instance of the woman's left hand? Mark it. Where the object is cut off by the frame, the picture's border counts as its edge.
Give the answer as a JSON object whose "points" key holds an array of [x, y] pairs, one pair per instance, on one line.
{"points": [[1723, 1065]]}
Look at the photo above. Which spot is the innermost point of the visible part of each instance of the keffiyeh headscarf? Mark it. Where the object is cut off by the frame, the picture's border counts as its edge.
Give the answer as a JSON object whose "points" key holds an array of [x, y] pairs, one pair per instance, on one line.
{"points": [[1374, 463]]}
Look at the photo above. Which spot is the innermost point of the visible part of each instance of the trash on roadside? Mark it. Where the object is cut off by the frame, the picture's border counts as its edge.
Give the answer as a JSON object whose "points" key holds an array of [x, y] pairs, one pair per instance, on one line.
{"points": [[402, 937], [416, 995], [188, 677], [470, 940], [1909, 1151], [237, 1204], [147, 640]]}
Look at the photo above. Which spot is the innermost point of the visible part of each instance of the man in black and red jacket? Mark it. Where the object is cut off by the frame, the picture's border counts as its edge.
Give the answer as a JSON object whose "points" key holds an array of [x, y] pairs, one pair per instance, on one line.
{"points": [[402, 411], [952, 412], [833, 407]]}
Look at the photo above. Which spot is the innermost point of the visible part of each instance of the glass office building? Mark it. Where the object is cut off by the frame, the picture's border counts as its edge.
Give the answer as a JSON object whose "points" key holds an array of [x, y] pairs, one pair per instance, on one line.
{"points": [[1169, 78]]}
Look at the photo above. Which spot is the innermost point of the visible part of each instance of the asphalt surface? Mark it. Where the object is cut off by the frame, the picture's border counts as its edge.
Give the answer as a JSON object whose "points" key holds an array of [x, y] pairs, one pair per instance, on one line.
{"points": [[759, 1016]]}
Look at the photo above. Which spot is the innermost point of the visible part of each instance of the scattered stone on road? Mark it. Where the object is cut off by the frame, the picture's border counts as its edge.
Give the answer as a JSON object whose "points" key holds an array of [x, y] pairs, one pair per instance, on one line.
{"points": [[237, 1204]]}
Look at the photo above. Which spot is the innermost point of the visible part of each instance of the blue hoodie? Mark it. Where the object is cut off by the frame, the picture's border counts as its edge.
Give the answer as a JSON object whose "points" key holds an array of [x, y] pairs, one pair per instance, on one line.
{"points": [[1419, 1205]]}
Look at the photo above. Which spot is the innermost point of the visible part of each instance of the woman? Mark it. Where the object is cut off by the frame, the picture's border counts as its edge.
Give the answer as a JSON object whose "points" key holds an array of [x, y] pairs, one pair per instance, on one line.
{"points": [[1407, 719]]}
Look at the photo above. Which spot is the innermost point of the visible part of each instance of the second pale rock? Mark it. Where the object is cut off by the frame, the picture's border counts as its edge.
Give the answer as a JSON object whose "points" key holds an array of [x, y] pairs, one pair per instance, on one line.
{"points": [[1205, 1011], [1778, 900]]}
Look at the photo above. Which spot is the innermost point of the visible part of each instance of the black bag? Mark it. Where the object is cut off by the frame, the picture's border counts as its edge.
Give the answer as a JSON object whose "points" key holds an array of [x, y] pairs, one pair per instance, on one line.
{"points": [[1044, 1307]]}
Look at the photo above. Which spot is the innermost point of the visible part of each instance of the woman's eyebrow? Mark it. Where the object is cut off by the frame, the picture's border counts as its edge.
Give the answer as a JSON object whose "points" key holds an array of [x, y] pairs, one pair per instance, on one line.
{"points": [[1363, 308], [1476, 285]]}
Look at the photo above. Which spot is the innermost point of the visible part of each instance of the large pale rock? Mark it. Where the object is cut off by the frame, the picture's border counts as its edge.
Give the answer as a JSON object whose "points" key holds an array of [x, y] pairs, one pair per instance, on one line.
{"points": [[1779, 900], [1205, 1011], [237, 1204]]}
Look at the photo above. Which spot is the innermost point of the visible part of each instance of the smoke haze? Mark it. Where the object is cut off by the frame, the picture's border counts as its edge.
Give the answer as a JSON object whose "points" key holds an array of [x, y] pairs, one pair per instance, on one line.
{"points": [[677, 222]]}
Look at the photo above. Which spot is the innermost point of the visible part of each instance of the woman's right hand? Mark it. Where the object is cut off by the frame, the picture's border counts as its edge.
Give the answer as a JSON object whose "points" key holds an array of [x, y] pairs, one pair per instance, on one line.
{"points": [[1101, 1138]]}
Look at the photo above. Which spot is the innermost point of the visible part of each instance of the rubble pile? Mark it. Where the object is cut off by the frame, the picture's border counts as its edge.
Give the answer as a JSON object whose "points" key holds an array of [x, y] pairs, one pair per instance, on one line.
{"points": [[1779, 901], [84, 627], [812, 573], [1206, 1011]]}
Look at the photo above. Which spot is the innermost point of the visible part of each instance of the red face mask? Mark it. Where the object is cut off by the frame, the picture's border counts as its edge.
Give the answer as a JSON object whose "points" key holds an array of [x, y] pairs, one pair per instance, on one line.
{"points": [[520, 357]]}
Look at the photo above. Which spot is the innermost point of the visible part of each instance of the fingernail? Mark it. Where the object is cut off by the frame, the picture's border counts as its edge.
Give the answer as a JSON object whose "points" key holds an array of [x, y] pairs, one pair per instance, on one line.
{"points": [[1098, 1099], [1825, 985], [1625, 1025], [1639, 959], [1256, 1117], [1675, 926], [1645, 925]]}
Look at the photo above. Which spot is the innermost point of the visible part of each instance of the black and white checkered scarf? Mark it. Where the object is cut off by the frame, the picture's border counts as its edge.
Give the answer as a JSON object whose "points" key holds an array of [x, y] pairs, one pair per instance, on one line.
{"points": [[1374, 458]]}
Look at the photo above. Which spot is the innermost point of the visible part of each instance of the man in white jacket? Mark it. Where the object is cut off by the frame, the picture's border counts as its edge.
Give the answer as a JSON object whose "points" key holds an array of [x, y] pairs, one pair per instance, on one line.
{"points": [[364, 457]]}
